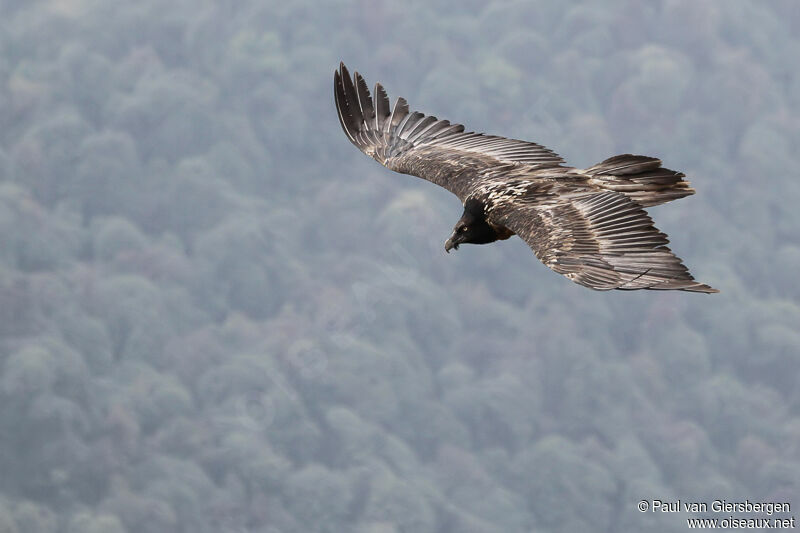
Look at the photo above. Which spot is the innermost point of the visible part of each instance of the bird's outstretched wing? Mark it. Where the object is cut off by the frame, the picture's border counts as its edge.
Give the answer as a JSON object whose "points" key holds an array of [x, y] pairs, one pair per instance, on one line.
{"points": [[602, 240], [412, 143]]}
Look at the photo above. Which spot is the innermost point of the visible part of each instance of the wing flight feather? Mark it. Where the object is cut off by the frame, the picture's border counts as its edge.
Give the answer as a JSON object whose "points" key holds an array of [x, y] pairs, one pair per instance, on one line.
{"points": [[602, 240], [424, 146]]}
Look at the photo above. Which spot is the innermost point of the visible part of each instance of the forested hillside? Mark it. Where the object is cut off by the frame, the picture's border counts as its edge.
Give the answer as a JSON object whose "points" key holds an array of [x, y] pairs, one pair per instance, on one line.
{"points": [[217, 316]]}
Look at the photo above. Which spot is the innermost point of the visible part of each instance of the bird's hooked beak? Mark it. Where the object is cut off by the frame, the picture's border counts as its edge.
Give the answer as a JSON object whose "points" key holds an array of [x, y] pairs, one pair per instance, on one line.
{"points": [[451, 243]]}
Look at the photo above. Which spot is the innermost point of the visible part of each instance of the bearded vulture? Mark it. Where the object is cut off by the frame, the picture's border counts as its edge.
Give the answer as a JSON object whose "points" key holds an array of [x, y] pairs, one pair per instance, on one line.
{"points": [[587, 224]]}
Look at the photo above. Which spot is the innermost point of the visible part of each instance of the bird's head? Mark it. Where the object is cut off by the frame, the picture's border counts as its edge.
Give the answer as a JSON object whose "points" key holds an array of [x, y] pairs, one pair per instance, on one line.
{"points": [[471, 228]]}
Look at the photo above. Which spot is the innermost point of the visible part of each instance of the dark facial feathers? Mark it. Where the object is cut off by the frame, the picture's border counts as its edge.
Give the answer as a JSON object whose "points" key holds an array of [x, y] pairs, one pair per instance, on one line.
{"points": [[472, 227]]}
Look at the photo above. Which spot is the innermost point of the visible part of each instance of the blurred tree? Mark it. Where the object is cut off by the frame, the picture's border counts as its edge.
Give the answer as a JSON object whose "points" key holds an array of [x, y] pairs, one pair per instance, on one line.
{"points": [[571, 478], [87, 78], [116, 236], [106, 176], [400, 502], [318, 499], [5, 166], [33, 518], [233, 253], [170, 116], [89, 523], [46, 156], [133, 312], [7, 523]]}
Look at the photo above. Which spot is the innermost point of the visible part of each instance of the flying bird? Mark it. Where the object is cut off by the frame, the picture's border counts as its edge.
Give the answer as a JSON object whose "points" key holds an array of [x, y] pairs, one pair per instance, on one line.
{"points": [[587, 224]]}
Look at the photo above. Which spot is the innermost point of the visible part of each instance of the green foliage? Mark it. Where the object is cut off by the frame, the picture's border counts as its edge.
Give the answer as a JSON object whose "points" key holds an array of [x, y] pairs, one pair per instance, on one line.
{"points": [[216, 316]]}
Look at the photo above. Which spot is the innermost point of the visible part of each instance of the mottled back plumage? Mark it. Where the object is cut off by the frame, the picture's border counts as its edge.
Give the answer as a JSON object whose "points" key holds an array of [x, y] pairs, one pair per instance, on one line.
{"points": [[588, 225]]}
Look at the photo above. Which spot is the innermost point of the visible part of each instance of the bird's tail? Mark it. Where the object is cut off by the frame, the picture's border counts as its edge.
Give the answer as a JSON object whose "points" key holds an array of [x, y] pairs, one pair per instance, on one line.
{"points": [[641, 178]]}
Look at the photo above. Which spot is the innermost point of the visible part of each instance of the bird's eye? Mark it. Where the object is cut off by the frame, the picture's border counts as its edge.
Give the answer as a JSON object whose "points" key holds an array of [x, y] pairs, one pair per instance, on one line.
{"points": [[462, 229]]}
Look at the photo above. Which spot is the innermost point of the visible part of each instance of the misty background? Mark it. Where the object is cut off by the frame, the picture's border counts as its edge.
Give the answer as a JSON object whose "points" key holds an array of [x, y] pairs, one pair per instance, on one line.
{"points": [[217, 315]]}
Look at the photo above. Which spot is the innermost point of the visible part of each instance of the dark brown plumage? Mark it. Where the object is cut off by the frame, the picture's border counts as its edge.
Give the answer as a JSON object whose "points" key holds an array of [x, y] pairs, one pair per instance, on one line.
{"points": [[588, 225]]}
